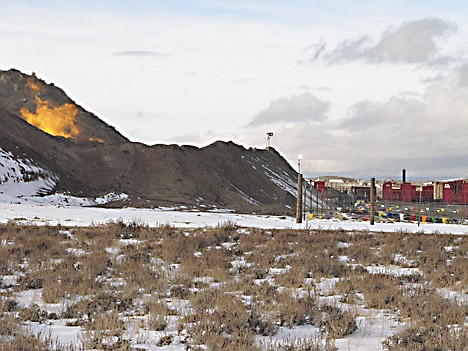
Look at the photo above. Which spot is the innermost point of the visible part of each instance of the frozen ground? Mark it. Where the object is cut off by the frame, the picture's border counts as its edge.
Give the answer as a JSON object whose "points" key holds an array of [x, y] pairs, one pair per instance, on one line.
{"points": [[35, 213], [373, 325]]}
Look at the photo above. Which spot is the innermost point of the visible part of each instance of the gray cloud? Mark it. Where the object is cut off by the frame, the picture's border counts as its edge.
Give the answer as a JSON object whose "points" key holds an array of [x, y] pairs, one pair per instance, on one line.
{"points": [[313, 52], [140, 53], [410, 42], [425, 134], [305, 107], [348, 50], [431, 128], [462, 77], [400, 110]]}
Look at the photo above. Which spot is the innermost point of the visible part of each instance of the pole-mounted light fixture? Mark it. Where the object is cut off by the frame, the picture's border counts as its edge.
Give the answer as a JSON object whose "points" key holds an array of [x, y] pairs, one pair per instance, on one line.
{"points": [[299, 158], [269, 136]]}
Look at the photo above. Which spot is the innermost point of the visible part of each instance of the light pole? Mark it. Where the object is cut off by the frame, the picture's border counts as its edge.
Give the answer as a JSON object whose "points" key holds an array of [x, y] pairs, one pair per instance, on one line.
{"points": [[299, 191], [372, 201], [269, 136]]}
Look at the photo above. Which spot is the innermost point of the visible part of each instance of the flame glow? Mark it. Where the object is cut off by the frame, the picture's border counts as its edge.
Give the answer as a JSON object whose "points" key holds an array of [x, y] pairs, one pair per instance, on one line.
{"points": [[32, 84], [57, 121], [97, 140]]}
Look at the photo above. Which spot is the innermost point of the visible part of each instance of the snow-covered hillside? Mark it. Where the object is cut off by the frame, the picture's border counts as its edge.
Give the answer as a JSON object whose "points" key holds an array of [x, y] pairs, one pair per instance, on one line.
{"points": [[21, 178], [21, 182]]}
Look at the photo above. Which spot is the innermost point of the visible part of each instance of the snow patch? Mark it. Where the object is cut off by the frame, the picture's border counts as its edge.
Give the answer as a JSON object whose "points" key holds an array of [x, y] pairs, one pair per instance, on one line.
{"points": [[22, 178], [23, 182], [283, 181]]}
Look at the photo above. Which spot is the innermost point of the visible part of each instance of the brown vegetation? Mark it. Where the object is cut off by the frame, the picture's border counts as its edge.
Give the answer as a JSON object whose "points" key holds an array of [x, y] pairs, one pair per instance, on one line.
{"points": [[229, 288]]}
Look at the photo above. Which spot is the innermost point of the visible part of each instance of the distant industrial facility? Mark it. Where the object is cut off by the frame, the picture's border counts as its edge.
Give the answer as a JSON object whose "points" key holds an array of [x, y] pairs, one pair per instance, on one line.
{"points": [[447, 192]]}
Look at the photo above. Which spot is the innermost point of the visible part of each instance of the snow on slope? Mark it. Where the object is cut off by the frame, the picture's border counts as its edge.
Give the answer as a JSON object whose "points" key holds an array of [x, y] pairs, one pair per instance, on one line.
{"points": [[19, 178], [282, 180], [62, 199], [21, 181]]}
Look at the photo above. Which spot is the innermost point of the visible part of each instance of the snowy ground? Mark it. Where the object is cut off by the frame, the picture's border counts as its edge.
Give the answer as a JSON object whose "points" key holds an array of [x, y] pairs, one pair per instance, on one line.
{"points": [[373, 325], [83, 216]]}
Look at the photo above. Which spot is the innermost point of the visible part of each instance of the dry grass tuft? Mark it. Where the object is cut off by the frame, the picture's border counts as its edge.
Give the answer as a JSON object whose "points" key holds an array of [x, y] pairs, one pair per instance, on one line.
{"points": [[238, 284]]}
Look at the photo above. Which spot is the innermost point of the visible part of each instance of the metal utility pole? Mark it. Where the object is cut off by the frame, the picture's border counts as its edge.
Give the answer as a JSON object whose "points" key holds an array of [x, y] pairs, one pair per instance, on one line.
{"points": [[420, 198], [372, 201], [299, 191], [317, 200], [304, 199], [299, 199]]}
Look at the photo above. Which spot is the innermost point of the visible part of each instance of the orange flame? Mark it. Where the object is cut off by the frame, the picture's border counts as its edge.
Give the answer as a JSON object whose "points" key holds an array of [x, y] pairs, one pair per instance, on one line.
{"points": [[97, 140], [57, 121], [32, 85]]}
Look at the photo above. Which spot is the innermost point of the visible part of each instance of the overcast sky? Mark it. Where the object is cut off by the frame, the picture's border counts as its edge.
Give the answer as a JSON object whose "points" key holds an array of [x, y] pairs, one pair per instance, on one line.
{"points": [[359, 88]]}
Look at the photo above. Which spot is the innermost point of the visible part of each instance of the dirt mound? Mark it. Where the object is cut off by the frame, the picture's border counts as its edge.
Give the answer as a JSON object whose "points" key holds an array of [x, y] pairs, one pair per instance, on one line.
{"points": [[40, 122]]}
